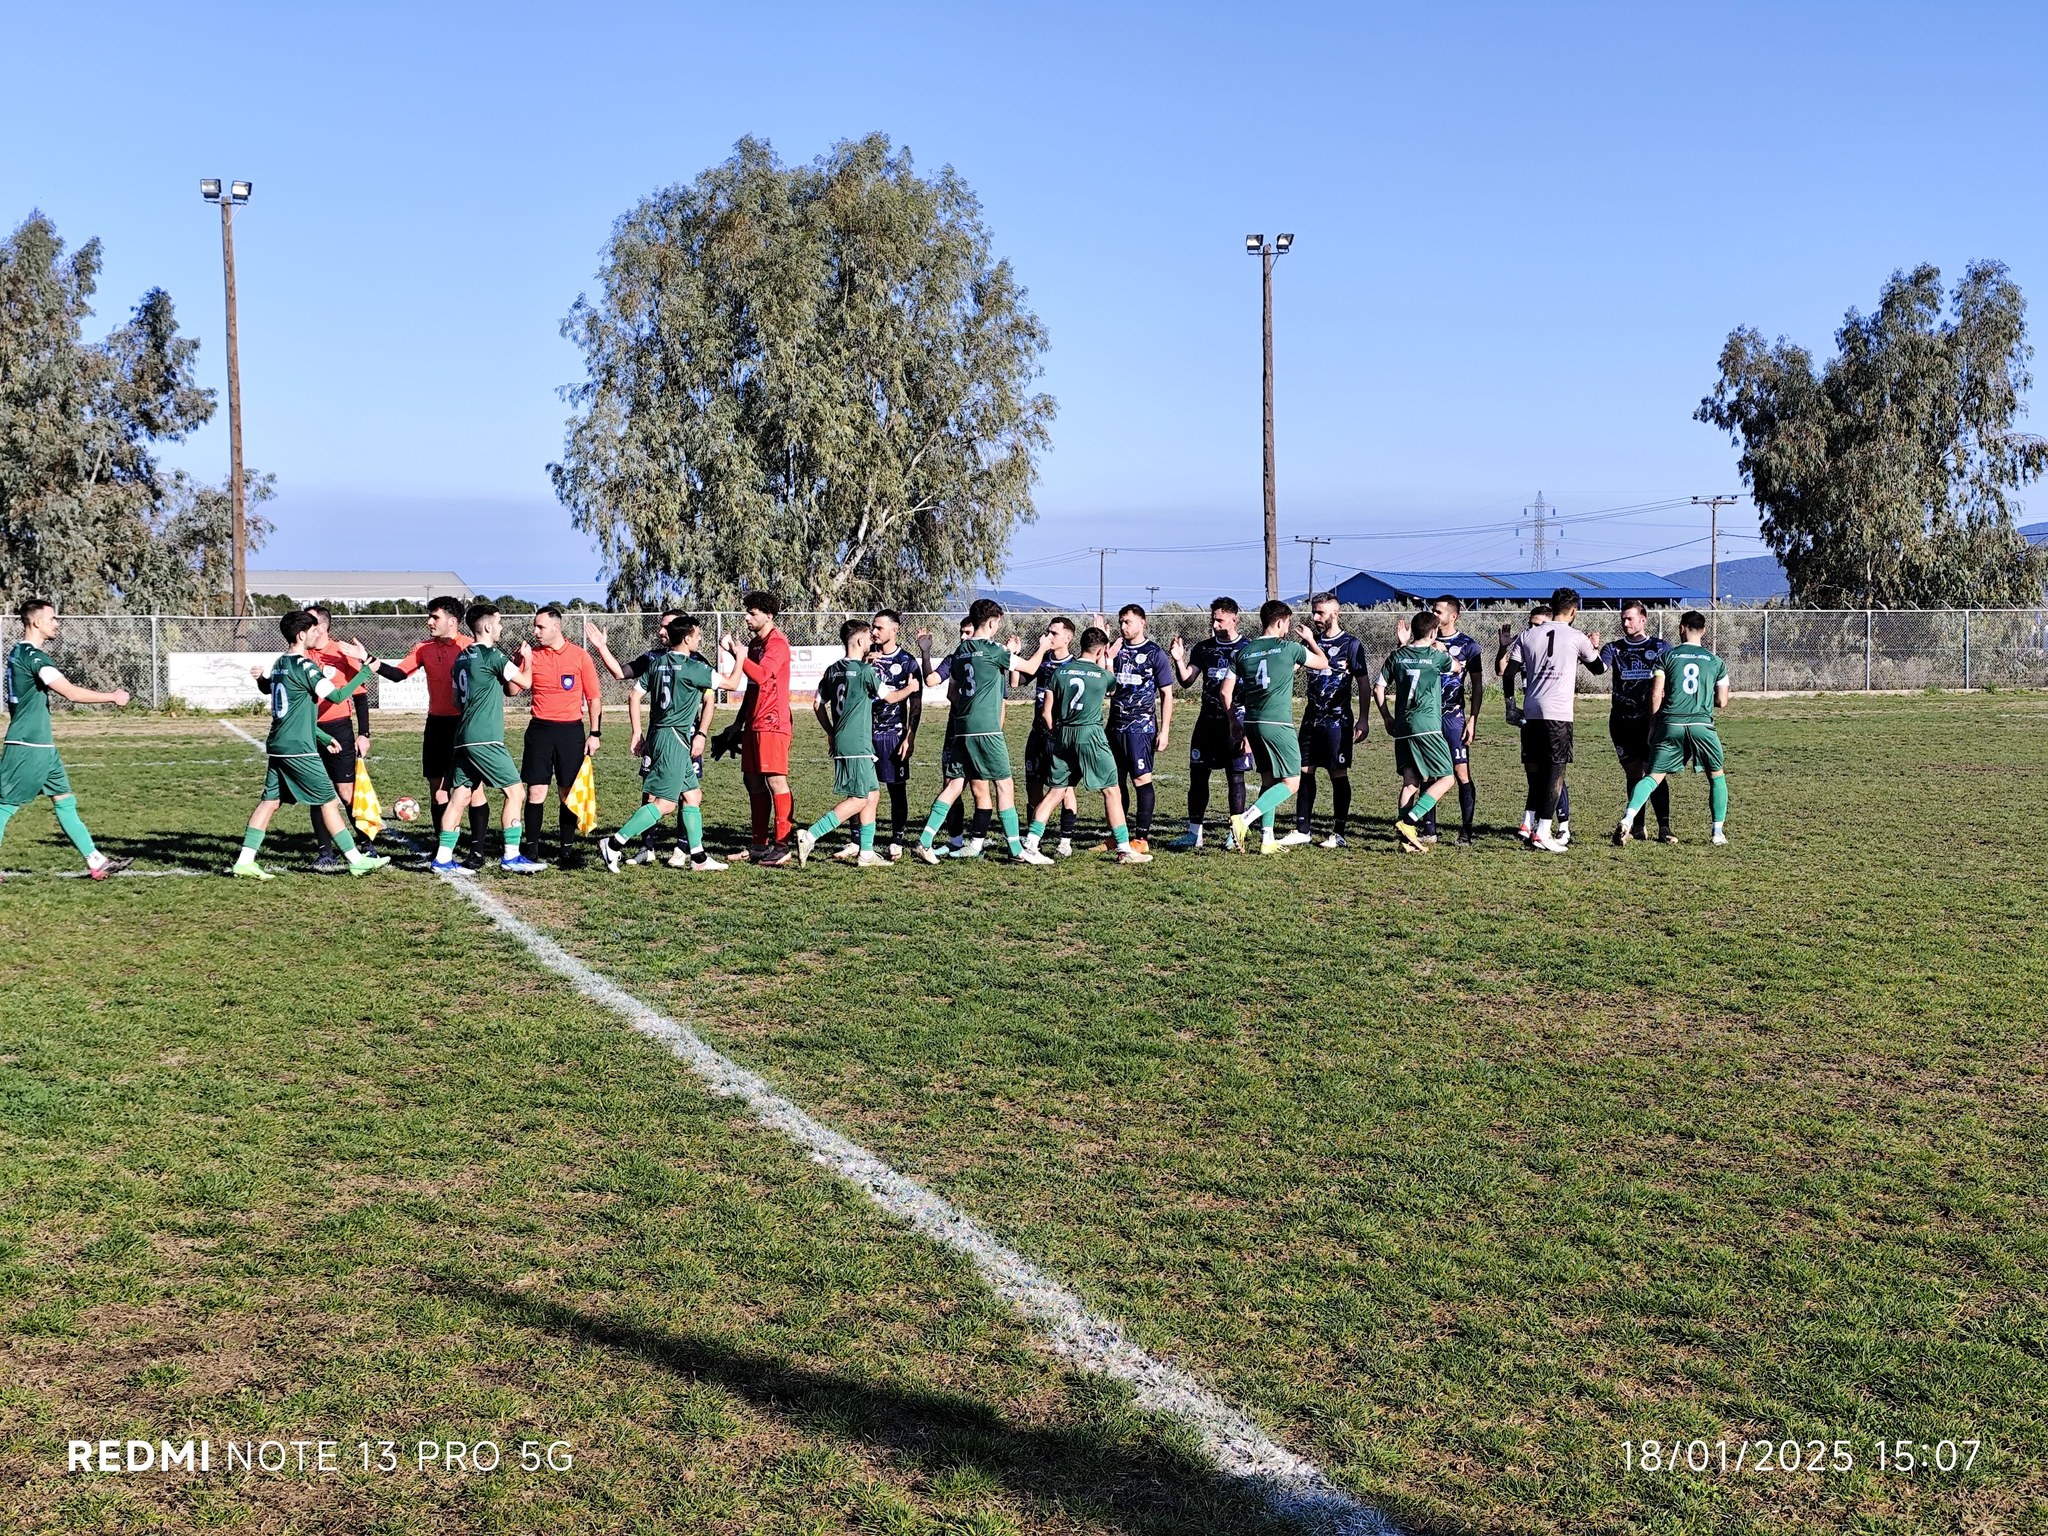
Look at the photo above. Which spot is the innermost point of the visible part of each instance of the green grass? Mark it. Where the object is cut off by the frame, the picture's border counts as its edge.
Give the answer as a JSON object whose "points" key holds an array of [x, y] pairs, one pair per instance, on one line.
{"points": [[1457, 1172]]}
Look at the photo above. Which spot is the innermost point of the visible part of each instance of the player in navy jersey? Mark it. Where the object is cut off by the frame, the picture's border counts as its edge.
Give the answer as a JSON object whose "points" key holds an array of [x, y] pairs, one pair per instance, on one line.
{"points": [[1635, 657], [1140, 716], [1463, 697], [1331, 723], [1218, 739], [895, 725], [956, 818], [1038, 746]]}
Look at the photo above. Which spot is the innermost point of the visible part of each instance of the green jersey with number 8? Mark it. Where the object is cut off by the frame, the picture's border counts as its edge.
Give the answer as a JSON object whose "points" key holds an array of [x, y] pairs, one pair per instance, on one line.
{"points": [[1690, 675], [849, 689]]}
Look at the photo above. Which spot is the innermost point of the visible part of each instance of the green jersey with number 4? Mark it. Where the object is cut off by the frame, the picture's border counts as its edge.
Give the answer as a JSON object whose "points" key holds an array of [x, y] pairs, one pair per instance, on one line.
{"points": [[980, 668], [28, 696], [479, 678], [1265, 677], [1690, 675], [294, 706], [1079, 691], [1417, 675], [676, 683], [849, 689]]}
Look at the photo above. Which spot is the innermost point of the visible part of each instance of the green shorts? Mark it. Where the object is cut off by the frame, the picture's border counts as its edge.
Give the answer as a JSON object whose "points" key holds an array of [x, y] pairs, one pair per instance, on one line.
{"points": [[1276, 747], [670, 773], [1428, 756], [28, 770], [854, 777], [299, 780], [484, 762], [1675, 748], [986, 756], [1081, 755]]}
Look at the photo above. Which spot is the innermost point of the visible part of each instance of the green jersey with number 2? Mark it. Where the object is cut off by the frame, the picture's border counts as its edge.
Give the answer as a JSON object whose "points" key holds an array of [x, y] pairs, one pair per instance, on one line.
{"points": [[1079, 689]]}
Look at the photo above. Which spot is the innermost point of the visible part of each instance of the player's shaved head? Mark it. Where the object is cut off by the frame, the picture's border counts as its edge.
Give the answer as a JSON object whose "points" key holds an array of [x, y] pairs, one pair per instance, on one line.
{"points": [[477, 613], [1447, 601], [27, 611]]}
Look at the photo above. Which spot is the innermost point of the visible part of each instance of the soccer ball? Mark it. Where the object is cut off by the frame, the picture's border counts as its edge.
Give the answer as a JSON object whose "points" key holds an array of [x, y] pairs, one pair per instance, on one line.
{"points": [[407, 809]]}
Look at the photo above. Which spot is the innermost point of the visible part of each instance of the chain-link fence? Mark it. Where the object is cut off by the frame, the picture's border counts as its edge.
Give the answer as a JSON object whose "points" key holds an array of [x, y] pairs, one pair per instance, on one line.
{"points": [[1767, 649]]}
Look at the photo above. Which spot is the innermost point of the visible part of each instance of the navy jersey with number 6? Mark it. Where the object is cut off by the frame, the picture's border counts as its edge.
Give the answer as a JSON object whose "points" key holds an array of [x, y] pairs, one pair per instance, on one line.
{"points": [[1330, 693]]}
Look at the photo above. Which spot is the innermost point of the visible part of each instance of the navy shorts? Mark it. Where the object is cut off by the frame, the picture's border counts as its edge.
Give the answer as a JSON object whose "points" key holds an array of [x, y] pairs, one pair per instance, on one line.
{"points": [[889, 768], [1133, 745], [1038, 756], [1216, 745], [1454, 736], [1326, 743]]}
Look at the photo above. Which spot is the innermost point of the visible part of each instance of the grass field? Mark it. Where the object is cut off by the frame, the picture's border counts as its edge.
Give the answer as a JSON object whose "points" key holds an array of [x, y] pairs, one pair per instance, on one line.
{"points": [[1460, 1174]]}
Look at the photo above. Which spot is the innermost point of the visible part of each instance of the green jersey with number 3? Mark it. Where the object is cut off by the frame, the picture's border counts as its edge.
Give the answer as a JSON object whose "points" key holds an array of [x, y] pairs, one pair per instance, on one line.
{"points": [[1265, 677], [1690, 675], [849, 689], [1416, 673], [28, 696], [676, 683], [980, 668], [479, 678], [1079, 691]]}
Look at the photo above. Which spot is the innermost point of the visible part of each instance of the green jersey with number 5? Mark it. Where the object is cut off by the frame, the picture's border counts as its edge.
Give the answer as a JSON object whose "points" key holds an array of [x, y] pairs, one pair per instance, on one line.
{"points": [[1690, 675], [1079, 689], [676, 683], [1265, 677]]}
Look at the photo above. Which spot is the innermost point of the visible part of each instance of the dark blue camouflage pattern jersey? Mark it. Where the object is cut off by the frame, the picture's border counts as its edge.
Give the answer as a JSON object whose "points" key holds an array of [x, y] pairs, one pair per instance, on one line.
{"points": [[1142, 672], [1044, 683], [1634, 664], [897, 667], [1212, 658], [1463, 648], [1330, 693]]}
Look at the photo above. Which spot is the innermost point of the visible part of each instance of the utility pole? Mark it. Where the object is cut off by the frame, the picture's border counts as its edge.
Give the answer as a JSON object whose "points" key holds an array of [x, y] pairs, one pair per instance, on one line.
{"points": [[1255, 245], [1101, 578], [1713, 504], [1151, 597], [1311, 540], [237, 193], [1539, 533]]}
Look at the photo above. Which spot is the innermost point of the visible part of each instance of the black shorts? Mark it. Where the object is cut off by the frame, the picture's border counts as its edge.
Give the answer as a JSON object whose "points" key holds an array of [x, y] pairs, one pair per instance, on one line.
{"points": [[553, 749], [341, 766], [1038, 755], [1217, 745], [437, 747], [1631, 737], [1326, 743], [1546, 743]]}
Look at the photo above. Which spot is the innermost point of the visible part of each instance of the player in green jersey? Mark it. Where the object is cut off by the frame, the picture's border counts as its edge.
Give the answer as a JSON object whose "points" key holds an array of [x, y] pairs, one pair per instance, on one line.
{"points": [[29, 765], [296, 686], [681, 692], [1415, 674], [1072, 716], [980, 670], [481, 674], [1262, 680], [1691, 683], [845, 706]]}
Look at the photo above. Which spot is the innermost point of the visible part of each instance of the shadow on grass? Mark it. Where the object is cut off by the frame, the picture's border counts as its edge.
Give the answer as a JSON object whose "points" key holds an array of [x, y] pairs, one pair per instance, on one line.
{"points": [[1148, 1488]]}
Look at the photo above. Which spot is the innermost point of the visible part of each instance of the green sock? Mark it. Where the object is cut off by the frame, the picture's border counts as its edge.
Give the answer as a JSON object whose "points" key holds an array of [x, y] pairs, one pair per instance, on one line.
{"points": [[345, 842], [447, 841], [932, 823], [1268, 803], [67, 818], [693, 827], [1009, 815], [253, 839], [867, 837], [1122, 834], [6, 815], [1037, 827], [649, 815], [512, 840], [1717, 796], [1638, 798], [824, 824], [1423, 805]]}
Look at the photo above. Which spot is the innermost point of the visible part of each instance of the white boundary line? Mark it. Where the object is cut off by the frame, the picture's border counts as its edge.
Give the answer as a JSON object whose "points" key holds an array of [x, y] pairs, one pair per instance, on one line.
{"points": [[1290, 1487]]}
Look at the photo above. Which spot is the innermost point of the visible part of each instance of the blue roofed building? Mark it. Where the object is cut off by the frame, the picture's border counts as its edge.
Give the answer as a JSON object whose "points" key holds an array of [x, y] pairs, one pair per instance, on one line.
{"points": [[1481, 589]]}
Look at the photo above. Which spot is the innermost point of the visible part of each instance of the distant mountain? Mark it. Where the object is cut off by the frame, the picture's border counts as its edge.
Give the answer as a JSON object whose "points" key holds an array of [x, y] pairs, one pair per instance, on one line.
{"points": [[1002, 595], [1760, 578]]}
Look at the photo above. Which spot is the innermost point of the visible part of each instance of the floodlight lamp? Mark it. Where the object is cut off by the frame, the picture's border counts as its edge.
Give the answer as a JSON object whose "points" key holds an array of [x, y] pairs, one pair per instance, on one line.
{"points": [[1252, 243], [209, 188], [240, 190], [1282, 243]]}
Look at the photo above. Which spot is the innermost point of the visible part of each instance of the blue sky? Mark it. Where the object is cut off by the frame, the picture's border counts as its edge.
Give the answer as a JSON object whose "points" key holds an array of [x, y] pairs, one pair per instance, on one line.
{"points": [[1523, 233]]}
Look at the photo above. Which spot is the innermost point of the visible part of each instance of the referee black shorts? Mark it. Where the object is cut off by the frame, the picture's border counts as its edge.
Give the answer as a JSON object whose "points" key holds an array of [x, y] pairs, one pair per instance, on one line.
{"points": [[437, 748], [1546, 743], [553, 749], [341, 765]]}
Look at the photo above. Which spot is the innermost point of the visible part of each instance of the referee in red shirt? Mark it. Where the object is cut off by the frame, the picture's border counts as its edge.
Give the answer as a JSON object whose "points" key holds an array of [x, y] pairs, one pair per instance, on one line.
{"points": [[764, 727], [435, 656], [565, 696]]}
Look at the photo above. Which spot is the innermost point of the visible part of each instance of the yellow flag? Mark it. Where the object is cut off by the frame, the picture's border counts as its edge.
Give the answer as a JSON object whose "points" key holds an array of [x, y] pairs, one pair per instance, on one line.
{"points": [[368, 813], [582, 799]]}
